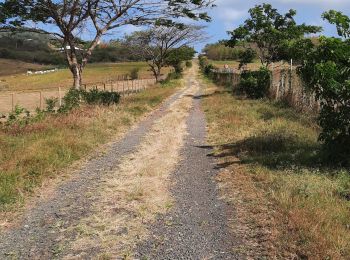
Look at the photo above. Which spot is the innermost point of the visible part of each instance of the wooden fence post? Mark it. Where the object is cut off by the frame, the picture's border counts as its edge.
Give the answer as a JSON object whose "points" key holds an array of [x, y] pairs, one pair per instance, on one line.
{"points": [[41, 100], [59, 97], [13, 101]]}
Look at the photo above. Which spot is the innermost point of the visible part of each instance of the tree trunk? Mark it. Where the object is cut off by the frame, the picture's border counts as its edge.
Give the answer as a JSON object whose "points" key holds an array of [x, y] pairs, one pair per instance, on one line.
{"points": [[158, 73], [77, 75]]}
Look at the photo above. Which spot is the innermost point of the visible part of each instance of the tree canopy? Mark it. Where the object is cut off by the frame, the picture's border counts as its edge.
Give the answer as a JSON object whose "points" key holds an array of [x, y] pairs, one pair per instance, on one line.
{"points": [[266, 30], [158, 42], [70, 19]]}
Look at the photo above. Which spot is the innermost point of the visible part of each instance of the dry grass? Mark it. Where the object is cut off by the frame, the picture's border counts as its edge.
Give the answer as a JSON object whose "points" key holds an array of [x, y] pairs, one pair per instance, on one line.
{"points": [[39, 151], [292, 205], [255, 65], [92, 74], [137, 192], [12, 67]]}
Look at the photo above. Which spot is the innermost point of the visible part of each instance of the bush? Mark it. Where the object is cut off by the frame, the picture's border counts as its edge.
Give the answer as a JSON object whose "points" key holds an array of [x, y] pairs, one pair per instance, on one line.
{"points": [[208, 68], [326, 72], [97, 97], [19, 116], [51, 104], [171, 76], [255, 84], [75, 97], [134, 74], [203, 61], [188, 64], [71, 100]]}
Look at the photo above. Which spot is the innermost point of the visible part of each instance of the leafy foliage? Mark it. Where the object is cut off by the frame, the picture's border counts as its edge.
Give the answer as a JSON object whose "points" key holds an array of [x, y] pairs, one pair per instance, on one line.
{"points": [[189, 64], [326, 71], [179, 55], [247, 56], [98, 97], [266, 30], [134, 73], [255, 84], [75, 97], [219, 51]]}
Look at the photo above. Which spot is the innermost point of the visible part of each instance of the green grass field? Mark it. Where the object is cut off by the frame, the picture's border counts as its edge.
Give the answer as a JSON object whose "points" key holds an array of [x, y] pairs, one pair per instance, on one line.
{"points": [[93, 73]]}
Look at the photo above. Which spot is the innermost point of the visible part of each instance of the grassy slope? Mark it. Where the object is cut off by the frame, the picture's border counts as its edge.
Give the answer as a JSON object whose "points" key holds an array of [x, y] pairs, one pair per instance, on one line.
{"points": [[276, 148], [93, 73], [41, 150], [12, 67]]}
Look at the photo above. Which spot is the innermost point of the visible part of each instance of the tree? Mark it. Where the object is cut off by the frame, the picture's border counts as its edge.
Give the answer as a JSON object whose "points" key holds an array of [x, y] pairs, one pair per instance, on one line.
{"points": [[325, 69], [158, 42], [177, 56], [267, 29], [68, 19], [219, 51]]}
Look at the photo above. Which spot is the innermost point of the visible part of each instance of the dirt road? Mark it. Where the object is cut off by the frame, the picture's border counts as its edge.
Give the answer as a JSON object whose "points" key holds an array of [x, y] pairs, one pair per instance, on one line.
{"points": [[151, 195]]}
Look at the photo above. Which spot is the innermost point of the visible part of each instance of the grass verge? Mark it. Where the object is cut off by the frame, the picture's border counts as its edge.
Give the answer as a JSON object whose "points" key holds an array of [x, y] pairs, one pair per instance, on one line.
{"points": [[41, 150], [287, 202]]}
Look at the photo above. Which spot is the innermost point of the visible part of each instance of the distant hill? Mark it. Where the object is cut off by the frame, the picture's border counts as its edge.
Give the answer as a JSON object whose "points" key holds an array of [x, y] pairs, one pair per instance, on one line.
{"points": [[43, 49], [30, 47]]}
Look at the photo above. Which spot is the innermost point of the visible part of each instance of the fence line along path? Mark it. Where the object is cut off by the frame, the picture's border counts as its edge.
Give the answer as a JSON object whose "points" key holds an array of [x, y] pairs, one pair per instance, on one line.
{"points": [[36, 99], [285, 85]]}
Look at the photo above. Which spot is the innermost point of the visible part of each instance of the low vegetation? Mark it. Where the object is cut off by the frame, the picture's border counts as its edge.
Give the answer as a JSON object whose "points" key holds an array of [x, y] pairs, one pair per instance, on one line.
{"points": [[34, 152], [277, 149]]}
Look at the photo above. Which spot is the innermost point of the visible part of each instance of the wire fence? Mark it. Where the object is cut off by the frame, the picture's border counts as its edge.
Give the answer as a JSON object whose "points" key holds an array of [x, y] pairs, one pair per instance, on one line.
{"points": [[37, 99], [285, 85]]}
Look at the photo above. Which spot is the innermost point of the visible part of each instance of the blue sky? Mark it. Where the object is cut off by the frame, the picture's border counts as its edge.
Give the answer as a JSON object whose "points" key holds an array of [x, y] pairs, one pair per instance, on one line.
{"points": [[231, 13]]}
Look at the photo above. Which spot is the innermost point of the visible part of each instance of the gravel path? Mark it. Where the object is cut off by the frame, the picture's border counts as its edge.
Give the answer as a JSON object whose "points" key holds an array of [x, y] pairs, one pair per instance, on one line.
{"points": [[39, 236], [196, 227]]}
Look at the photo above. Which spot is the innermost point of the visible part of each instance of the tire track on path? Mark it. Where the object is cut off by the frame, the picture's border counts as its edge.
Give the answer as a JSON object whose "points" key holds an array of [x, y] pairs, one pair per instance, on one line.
{"points": [[197, 226]]}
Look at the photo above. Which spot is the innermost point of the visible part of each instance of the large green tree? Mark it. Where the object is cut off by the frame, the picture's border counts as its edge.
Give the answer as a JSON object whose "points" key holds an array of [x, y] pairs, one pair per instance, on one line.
{"points": [[69, 20], [266, 30], [325, 68]]}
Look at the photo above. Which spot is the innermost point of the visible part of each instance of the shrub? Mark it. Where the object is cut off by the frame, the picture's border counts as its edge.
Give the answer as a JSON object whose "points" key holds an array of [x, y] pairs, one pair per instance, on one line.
{"points": [[255, 84], [92, 97], [51, 104], [71, 100], [208, 68], [134, 73], [97, 97], [19, 115], [203, 61], [171, 76], [326, 72], [188, 64]]}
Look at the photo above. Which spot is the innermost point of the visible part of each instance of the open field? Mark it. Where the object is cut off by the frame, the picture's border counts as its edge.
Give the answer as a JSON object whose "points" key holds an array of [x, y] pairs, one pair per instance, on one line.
{"points": [[14, 67], [38, 151], [251, 66], [235, 64], [37, 99], [93, 73], [272, 174]]}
